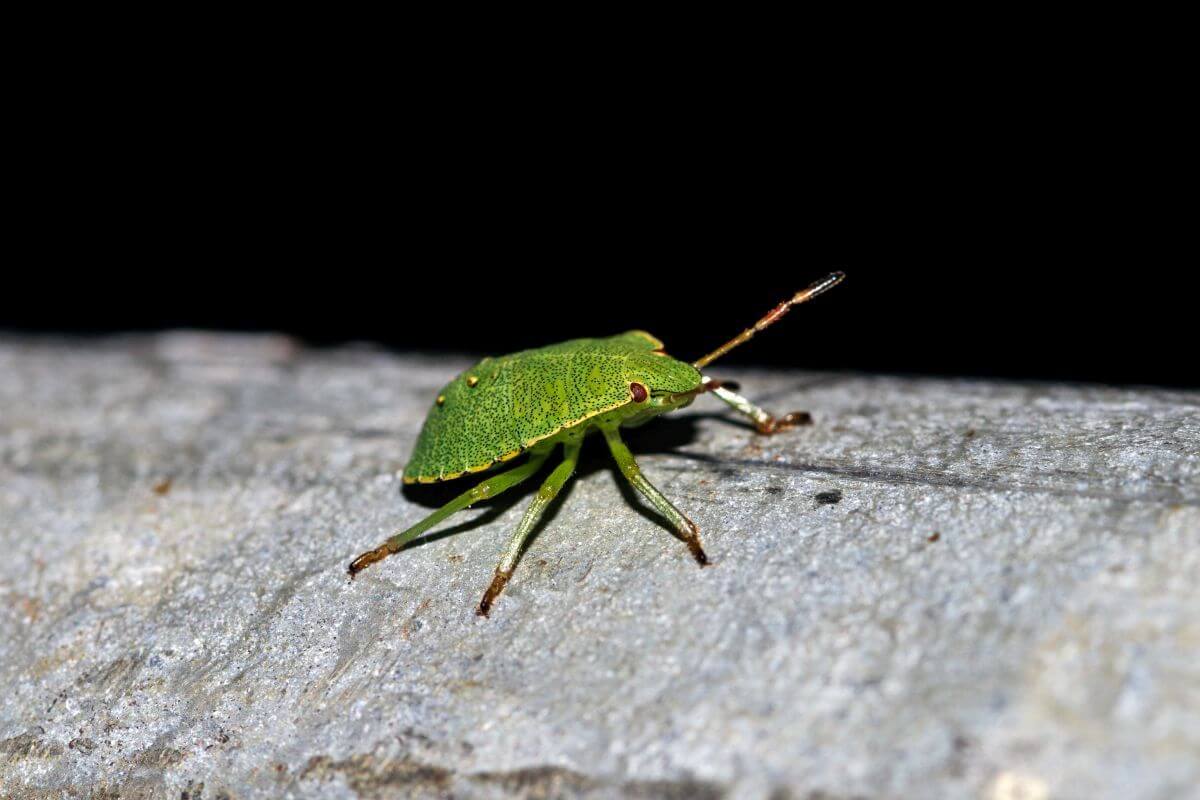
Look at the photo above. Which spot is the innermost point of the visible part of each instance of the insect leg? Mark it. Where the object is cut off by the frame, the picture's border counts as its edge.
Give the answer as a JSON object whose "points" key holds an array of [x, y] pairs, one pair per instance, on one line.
{"points": [[545, 495], [764, 422], [489, 488], [686, 529]]}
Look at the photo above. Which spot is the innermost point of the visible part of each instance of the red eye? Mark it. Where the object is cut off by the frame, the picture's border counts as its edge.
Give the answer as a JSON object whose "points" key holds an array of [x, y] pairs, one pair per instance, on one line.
{"points": [[638, 391]]}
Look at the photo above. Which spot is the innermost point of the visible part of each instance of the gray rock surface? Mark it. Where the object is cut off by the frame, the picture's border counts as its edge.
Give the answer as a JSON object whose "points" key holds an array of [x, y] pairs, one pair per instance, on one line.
{"points": [[940, 589]]}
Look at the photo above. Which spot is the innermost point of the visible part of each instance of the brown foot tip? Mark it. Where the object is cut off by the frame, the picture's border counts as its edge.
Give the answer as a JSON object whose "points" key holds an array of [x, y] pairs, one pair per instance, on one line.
{"points": [[776, 424], [493, 591], [367, 559], [692, 537]]}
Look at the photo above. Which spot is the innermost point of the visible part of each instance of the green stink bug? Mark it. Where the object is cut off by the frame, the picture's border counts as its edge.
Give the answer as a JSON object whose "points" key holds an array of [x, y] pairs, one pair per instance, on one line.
{"points": [[533, 401]]}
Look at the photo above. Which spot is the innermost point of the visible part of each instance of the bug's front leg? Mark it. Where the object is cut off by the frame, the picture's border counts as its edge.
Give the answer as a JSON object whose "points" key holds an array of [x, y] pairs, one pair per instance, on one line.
{"points": [[686, 529], [764, 423]]}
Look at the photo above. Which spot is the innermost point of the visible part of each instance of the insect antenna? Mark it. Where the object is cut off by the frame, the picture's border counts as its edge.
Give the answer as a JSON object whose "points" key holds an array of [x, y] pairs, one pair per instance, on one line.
{"points": [[820, 287]]}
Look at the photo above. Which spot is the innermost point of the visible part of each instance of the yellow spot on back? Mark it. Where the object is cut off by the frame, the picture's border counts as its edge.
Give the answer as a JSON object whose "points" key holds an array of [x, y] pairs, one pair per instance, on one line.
{"points": [[441, 399], [472, 380]]}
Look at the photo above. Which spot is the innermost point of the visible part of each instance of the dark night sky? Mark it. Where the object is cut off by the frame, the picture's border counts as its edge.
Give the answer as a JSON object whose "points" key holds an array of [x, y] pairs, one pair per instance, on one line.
{"points": [[946, 313], [983, 250]]}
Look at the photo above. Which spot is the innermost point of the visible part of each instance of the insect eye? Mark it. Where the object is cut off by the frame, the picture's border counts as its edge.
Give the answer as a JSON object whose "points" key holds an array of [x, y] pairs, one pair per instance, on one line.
{"points": [[639, 392]]}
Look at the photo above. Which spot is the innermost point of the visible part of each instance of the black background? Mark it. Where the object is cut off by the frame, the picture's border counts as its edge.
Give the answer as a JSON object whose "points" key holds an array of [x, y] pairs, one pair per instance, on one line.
{"points": [[1019, 245]]}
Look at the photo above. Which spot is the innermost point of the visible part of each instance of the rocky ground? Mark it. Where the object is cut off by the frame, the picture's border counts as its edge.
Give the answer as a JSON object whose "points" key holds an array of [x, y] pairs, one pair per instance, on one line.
{"points": [[939, 589]]}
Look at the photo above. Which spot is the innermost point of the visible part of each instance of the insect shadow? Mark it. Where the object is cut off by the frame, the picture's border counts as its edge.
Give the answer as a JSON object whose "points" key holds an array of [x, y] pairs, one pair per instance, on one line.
{"points": [[665, 435]]}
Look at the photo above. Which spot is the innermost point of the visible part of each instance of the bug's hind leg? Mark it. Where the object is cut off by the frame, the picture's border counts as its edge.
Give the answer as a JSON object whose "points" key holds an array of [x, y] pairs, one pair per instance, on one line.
{"points": [[685, 528], [545, 495], [489, 488], [763, 422]]}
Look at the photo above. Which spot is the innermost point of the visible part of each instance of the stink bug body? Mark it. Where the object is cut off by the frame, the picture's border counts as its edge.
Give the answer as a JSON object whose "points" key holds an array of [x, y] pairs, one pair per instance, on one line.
{"points": [[533, 401]]}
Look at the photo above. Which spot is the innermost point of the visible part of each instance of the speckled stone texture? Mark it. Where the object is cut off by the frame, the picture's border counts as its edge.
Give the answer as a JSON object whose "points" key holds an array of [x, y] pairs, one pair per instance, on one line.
{"points": [[940, 589]]}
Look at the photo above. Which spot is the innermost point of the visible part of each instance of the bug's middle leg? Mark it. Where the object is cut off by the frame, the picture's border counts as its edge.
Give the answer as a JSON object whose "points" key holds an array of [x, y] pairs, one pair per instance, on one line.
{"points": [[764, 422], [545, 495], [489, 488], [686, 529]]}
